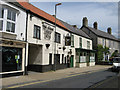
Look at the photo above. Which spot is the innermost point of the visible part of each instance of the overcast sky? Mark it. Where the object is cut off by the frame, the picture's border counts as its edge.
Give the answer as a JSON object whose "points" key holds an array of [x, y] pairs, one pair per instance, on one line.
{"points": [[105, 13]]}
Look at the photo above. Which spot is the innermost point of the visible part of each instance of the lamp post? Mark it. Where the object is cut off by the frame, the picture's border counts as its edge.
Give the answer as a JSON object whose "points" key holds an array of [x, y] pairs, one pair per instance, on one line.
{"points": [[54, 36]]}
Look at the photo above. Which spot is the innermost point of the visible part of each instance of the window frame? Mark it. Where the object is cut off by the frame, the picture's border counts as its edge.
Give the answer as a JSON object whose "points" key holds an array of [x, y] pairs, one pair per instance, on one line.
{"points": [[57, 37], [88, 44], [72, 40], [1, 25], [11, 21], [80, 42], [35, 32]]}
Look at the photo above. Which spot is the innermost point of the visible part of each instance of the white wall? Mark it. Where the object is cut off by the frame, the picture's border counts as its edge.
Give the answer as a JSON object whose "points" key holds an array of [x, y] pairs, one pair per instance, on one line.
{"points": [[45, 56], [21, 20]]}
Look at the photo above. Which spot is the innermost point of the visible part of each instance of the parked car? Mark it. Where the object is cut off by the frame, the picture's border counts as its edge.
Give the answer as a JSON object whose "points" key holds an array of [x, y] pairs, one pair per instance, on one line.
{"points": [[116, 64]]}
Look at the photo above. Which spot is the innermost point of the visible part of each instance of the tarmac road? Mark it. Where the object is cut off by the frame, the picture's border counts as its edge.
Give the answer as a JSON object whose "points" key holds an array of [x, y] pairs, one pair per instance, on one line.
{"points": [[80, 81]]}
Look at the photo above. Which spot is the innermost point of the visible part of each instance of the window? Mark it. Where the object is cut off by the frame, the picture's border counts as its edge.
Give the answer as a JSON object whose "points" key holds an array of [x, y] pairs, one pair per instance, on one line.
{"points": [[72, 40], [1, 25], [65, 60], [57, 37], [113, 44], [103, 43], [88, 44], [1, 12], [36, 32], [12, 59], [10, 27], [62, 58], [50, 59], [11, 15], [80, 41], [57, 58], [109, 43]]}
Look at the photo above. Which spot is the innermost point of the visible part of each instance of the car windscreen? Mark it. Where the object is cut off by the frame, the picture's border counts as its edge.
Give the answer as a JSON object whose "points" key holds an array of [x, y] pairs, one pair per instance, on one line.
{"points": [[116, 60]]}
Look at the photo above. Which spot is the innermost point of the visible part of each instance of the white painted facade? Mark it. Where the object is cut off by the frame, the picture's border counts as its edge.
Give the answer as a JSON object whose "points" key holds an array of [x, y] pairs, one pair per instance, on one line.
{"points": [[17, 37], [44, 53]]}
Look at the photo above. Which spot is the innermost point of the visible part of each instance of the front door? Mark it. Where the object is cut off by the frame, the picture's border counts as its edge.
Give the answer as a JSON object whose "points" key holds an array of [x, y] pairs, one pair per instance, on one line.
{"points": [[71, 61]]}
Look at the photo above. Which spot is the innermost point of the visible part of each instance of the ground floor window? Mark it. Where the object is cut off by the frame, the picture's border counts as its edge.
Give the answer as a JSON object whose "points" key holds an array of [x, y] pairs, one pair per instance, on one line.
{"points": [[57, 58], [11, 59], [62, 58], [50, 59]]}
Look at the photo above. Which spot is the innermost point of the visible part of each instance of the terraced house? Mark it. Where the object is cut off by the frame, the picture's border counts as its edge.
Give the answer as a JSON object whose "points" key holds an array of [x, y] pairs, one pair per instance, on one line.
{"points": [[106, 39], [47, 49], [30, 41], [12, 38]]}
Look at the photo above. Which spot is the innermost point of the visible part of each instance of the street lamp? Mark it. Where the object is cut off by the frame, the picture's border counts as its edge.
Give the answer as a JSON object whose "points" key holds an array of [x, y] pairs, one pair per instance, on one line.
{"points": [[54, 36]]}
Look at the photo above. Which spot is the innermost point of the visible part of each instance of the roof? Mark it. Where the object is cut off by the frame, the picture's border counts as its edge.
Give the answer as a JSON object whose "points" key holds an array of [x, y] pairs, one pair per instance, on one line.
{"points": [[101, 33], [51, 18], [74, 30], [41, 13]]}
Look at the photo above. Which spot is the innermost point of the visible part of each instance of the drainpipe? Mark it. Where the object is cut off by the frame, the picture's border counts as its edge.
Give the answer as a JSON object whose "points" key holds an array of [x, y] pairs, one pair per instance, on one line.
{"points": [[25, 66]]}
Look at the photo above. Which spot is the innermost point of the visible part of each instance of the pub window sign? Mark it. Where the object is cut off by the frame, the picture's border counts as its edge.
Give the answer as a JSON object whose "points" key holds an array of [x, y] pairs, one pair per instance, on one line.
{"points": [[68, 41]]}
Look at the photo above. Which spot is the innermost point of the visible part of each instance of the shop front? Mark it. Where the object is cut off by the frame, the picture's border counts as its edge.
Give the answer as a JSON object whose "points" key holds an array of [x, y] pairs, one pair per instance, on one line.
{"points": [[13, 55], [85, 57]]}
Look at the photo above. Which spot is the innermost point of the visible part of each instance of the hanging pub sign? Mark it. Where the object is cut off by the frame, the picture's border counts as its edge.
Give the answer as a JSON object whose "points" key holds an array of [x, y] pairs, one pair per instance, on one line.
{"points": [[68, 41]]}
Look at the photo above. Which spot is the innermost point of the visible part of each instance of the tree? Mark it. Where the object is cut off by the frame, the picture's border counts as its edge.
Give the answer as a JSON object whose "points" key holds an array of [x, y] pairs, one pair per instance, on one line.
{"points": [[100, 52]]}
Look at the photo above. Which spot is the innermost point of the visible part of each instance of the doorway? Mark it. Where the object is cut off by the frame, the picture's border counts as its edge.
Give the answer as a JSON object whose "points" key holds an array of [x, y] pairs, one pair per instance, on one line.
{"points": [[71, 61]]}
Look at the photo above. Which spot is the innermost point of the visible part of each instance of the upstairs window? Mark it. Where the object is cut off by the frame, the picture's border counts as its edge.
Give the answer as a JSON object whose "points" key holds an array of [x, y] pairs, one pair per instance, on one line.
{"points": [[80, 42], [10, 27], [11, 21], [1, 12], [1, 16], [103, 41], [36, 32], [11, 15], [109, 43], [57, 37], [88, 44], [1, 25], [72, 40]]}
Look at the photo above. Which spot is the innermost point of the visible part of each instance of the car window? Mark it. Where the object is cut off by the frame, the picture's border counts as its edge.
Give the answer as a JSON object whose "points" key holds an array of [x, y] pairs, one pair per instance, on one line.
{"points": [[116, 60]]}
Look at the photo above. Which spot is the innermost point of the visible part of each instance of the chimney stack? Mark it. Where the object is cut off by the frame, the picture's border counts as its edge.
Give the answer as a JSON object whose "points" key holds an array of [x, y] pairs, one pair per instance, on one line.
{"points": [[85, 22], [95, 25], [109, 30]]}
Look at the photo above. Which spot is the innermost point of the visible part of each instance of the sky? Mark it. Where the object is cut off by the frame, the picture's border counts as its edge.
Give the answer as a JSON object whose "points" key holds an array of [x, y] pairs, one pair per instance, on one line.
{"points": [[105, 13]]}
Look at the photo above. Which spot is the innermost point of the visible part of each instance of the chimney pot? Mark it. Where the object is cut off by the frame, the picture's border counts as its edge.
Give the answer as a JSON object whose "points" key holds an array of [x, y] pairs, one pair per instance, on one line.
{"points": [[95, 25], [109, 30], [85, 22]]}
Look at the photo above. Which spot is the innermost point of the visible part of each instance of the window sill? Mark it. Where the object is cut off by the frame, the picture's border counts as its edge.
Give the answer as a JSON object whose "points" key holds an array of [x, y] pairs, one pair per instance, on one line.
{"points": [[37, 38], [8, 32], [8, 35]]}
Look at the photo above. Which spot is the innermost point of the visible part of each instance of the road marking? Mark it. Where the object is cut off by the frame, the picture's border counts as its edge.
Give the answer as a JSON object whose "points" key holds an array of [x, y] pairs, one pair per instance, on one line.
{"points": [[27, 84]]}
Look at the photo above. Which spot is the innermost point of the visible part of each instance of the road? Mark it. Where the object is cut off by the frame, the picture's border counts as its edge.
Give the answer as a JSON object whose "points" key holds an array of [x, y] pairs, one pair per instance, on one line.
{"points": [[112, 82], [80, 81]]}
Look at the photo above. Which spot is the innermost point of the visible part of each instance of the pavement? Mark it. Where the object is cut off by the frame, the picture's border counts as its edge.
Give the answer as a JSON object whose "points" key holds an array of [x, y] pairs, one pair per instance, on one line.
{"points": [[35, 77]]}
